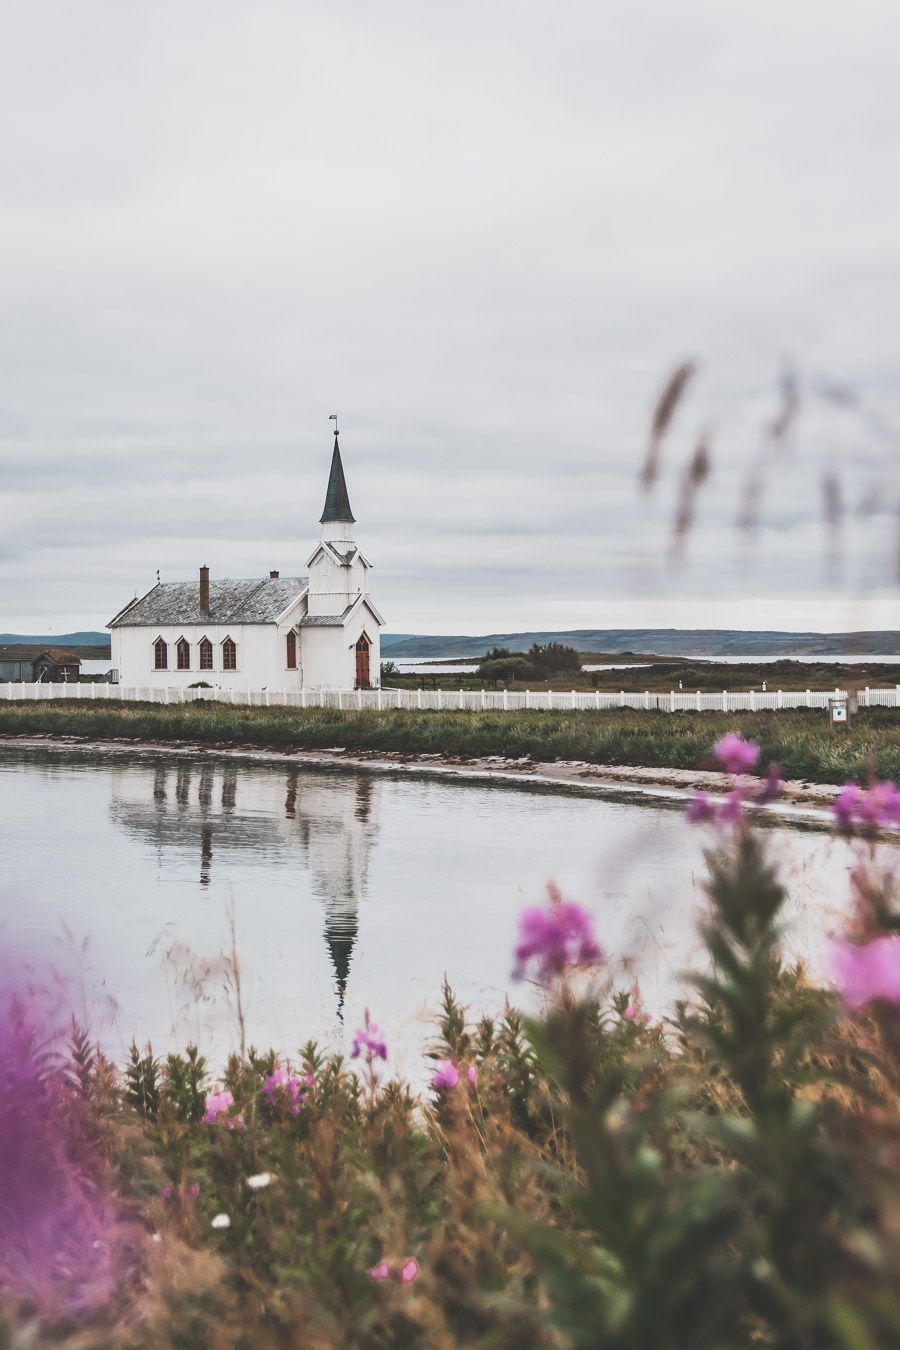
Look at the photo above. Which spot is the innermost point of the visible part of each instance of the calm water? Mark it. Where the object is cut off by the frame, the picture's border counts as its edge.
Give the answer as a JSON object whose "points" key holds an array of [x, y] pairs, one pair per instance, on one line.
{"points": [[120, 875]]}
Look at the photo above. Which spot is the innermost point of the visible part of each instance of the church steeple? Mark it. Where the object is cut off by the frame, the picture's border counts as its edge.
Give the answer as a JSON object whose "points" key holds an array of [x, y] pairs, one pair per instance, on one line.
{"points": [[337, 501]]}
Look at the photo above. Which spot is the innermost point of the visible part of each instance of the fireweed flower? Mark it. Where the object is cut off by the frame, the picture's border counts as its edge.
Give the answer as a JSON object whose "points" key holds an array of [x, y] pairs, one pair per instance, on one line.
{"points": [[868, 971], [735, 754], [392, 1270], [57, 1243], [446, 1075], [868, 809], [217, 1103], [369, 1042], [555, 938], [471, 1074]]}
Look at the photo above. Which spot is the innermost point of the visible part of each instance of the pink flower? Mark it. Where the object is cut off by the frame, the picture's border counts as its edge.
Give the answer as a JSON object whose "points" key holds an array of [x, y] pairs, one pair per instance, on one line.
{"points": [[735, 754], [217, 1103], [472, 1074], [700, 809], [877, 807], [732, 809], [380, 1272], [446, 1075], [410, 1270], [369, 1039], [194, 1191], [389, 1270], [863, 973], [167, 1192], [556, 937]]}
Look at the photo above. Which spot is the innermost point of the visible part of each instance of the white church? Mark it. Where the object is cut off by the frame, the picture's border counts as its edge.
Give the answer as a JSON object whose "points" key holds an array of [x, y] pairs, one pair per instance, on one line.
{"points": [[315, 632]]}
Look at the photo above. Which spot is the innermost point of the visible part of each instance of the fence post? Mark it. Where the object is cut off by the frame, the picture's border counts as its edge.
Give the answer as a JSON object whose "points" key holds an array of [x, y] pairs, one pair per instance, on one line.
{"points": [[897, 696], [418, 698], [698, 700], [621, 698], [867, 696], [573, 700], [808, 698], [753, 700], [506, 700], [340, 693], [461, 704], [359, 700], [672, 701], [526, 700], [646, 700], [483, 699], [598, 700]]}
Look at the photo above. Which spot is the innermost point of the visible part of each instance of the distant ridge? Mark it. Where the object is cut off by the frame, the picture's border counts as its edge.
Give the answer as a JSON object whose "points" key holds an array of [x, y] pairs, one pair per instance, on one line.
{"points": [[60, 639], [710, 642]]}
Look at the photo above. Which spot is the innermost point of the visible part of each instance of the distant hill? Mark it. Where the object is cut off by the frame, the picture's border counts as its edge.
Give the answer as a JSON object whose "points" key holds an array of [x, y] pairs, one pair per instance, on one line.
{"points": [[60, 639], [660, 641]]}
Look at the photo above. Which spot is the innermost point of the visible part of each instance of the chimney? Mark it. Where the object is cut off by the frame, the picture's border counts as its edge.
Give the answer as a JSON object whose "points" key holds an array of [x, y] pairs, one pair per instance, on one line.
{"points": [[204, 589], [273, 576]]}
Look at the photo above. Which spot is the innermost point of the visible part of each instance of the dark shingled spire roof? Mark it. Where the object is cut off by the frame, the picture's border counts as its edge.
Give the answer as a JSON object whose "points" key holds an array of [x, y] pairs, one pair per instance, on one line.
{"points": [[337, 503]]}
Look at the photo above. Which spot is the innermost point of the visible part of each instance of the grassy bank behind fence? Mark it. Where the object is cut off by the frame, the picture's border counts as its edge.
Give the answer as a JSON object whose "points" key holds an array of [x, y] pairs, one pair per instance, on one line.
{"points": [[801, 741]]}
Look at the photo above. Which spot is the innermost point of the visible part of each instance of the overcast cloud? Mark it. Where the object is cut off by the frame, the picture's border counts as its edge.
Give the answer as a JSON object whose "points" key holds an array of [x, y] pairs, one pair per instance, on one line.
{"points": [[483, 234]]}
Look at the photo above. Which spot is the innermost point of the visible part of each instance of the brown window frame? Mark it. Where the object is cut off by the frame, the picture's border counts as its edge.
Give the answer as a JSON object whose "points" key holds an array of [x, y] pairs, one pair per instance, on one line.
{"points": [[183, 654], [160, 649], [229, 654], [291, 650], [206, 654]]}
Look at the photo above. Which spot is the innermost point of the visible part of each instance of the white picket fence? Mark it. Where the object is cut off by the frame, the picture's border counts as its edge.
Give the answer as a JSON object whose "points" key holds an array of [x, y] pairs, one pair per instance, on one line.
{"points": [[445, 700]]}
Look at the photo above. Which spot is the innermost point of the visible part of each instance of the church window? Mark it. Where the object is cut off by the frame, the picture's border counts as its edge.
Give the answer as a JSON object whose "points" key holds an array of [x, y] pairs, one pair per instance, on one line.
{"points": [[229, 654], [184, 654], [206, 654], [292, 650], [160, 655]]}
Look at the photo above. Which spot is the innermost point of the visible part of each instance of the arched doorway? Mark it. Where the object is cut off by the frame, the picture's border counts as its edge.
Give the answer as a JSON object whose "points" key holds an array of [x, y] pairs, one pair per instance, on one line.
{"points": [[362, 663]]}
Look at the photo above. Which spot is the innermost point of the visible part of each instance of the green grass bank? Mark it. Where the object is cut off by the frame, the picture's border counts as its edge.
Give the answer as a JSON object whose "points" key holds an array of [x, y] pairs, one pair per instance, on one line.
{"points": [[801, 741]]}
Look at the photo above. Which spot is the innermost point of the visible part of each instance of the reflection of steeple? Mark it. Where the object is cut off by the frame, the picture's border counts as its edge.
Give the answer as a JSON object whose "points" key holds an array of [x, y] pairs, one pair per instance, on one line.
{"points": [[329, 821]]}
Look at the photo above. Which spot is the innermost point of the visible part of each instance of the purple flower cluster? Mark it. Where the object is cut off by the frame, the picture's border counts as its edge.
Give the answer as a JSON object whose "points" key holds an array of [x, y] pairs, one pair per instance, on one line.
{"points": [[58, 1233], [868, 971], [404, 1272], [369, 1042], [281, 1082], [736, 756], [555, 939], [217, 1104], [446, 1075], [867, 809]]}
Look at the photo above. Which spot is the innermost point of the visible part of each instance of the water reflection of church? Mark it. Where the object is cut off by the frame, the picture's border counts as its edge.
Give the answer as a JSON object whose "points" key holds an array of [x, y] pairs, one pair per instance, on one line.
{"points": [[213, 809]]}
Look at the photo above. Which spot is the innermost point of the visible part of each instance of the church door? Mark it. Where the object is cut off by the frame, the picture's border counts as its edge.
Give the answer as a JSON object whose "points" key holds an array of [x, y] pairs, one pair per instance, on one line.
{"points": [[362, 663]]}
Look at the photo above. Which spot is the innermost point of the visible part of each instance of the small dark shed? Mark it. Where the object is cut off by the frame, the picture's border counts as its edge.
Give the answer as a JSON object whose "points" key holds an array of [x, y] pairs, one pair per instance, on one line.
{"points": [[24, 663]]}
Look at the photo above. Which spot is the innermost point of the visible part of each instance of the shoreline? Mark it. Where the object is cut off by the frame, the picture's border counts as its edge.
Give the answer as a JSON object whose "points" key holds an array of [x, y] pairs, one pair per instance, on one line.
{"points": [[801, 802]]}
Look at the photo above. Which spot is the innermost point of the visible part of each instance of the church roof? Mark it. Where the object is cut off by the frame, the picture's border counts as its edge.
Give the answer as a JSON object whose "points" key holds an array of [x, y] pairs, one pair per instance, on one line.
{"points": [[178, 602], [337, 502]]}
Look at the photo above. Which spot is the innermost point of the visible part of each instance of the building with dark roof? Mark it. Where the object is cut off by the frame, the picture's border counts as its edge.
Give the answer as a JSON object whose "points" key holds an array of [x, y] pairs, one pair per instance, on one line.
{"points": [[26, 663], [307, 632]]}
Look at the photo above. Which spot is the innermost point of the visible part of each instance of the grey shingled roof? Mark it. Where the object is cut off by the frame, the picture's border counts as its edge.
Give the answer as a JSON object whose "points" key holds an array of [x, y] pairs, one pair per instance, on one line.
{"points": [[249, 601], [326, 620]]}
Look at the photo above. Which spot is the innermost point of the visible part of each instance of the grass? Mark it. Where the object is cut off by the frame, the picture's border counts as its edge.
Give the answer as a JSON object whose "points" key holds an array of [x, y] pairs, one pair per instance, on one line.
{"points": [[801, 741]]}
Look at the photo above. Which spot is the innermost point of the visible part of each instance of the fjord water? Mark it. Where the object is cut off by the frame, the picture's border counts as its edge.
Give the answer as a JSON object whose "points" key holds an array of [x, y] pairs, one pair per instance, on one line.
{"points": [[121, 875]]}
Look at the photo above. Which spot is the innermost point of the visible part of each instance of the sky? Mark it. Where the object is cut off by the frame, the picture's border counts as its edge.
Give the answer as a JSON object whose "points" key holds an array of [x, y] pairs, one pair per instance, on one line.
{"points": [[485, 235]]}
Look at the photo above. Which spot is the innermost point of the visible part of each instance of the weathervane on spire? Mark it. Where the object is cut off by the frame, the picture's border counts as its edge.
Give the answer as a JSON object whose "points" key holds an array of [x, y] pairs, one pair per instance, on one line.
{"points": [[332, 417]]}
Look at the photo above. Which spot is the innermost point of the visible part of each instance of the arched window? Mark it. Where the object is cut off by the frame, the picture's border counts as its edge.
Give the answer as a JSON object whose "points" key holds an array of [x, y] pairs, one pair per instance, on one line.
{"points": [[206, 654], [183, 649], [362, 663], [160, 655], [292, 650], [229, 654]]}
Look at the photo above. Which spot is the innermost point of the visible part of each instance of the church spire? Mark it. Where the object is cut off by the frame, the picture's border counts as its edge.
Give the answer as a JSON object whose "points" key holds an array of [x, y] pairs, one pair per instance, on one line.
{"points": [[337, 502]]}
